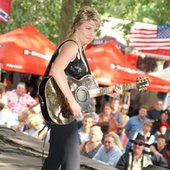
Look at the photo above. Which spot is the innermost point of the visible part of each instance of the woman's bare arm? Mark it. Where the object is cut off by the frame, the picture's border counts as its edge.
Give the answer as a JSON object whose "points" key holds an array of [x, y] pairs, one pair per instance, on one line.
{"points": [[67, 54]]}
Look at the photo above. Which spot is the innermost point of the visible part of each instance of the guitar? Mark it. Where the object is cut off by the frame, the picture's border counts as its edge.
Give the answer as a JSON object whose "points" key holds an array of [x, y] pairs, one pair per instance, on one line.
{"points": [[54, 106]]}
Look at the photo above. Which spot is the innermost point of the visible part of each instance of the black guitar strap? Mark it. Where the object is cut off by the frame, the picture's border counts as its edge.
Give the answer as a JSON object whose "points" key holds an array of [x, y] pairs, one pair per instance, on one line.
{"points": [[46, 74]]}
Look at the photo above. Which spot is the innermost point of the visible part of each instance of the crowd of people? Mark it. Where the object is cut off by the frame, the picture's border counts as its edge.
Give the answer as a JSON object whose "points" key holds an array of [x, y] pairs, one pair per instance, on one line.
{"points": [[129, 140], [113, 136]]}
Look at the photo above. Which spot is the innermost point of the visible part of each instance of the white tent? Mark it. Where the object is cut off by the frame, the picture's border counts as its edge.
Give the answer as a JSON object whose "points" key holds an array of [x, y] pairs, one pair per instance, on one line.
{"points": [[164, 74]]}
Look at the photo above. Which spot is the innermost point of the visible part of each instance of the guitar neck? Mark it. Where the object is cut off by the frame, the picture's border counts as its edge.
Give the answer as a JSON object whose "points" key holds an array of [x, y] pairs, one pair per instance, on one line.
{"points": [[108, 90]]}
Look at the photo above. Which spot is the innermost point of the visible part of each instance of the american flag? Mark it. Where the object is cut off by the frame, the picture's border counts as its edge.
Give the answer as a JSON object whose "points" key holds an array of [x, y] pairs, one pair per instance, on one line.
{"points": [[5, 6], [150, 38]]}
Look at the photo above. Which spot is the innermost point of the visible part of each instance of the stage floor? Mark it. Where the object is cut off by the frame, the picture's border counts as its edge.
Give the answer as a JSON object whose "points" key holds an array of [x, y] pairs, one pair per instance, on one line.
{"points": [[19, 151]]}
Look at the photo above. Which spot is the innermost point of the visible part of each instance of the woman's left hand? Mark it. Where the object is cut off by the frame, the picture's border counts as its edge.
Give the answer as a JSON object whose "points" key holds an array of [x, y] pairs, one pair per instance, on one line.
{"points": [[117, 91]]}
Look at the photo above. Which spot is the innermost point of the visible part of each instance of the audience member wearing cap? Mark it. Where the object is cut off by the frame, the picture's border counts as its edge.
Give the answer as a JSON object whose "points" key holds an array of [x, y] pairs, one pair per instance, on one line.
{"points": [[148, 137], [137, 159], [164, 118]]}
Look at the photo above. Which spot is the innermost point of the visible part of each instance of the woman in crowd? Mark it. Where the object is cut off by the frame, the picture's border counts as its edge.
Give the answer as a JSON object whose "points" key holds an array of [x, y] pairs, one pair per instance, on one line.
{"points": [[90, 148]]}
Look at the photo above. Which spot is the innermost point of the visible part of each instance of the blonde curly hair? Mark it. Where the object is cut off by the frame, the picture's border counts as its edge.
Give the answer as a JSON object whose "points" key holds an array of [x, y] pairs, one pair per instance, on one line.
{"points": [[86, 13]]}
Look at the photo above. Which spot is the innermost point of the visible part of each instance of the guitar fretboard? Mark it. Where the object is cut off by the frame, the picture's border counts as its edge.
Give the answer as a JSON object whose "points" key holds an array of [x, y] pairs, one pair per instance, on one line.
{"points": [[107, 90]]}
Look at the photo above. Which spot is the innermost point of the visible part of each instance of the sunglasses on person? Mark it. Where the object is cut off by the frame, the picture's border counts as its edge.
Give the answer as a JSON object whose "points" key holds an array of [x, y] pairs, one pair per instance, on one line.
{"points": [[138, 143]]}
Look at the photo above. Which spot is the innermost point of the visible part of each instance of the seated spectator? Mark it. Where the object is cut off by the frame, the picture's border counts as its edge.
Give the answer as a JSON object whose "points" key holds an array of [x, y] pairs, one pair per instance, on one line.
{"points": [[7, 118], [35, 123], [125, 117], [93, 105], [3, 97], [154, 114], [95, 117], [136, 124], [168, 109], [109, 153], [18, 100], [105, 118], [84, 131], [117, 115], [106, 115], [137, 159], [164, 130], [120, 129], [122, 136], [90, 148], [146, 132], [22, 119], [163, 118], [117, 140], [159, 148]]}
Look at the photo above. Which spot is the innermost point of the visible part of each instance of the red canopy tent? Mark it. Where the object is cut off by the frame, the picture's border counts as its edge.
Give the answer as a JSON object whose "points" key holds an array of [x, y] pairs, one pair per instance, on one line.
{"points": [[110, 67], [25, 50]]}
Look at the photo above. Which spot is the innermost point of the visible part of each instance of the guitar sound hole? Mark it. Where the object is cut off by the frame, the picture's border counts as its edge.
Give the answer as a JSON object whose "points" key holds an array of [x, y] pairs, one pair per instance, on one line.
{"points": [[82, 95]]}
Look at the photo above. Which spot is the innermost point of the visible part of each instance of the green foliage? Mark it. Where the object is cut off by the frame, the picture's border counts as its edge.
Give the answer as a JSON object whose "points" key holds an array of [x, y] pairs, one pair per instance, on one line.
{"points": [[45, 15]]}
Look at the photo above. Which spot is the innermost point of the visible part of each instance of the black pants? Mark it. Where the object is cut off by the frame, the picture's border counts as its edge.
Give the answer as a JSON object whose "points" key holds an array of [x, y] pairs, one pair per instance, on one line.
{"points": [[64, 150]]}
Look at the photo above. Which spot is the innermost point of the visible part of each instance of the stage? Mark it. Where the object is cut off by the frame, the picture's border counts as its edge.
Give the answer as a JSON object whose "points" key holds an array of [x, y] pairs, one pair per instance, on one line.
{"points": [[19, 151]]}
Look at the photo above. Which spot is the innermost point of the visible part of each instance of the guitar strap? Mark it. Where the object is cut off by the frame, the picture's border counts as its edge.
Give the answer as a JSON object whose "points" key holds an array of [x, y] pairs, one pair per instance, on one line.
{"points": [[84, 56], [46, 74]]}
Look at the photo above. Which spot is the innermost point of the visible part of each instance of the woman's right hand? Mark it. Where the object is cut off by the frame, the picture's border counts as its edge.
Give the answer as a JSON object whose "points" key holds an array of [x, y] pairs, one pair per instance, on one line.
{"points": [[76, 109]]}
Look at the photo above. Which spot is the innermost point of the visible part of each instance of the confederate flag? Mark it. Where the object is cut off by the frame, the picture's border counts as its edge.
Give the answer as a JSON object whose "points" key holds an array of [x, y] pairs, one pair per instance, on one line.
{"points": [[5, 6]]}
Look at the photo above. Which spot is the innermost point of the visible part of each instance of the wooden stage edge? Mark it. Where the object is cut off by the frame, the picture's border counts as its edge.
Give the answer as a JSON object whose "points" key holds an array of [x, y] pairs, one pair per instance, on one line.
{"points": [[19, 151]]}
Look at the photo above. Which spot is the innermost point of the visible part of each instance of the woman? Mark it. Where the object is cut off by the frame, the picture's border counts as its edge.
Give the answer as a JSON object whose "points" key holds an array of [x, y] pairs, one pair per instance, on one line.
{"points": [[64, 153], [90, 148], [64, 150], [125, 117], [105, 118], [106, 115]]}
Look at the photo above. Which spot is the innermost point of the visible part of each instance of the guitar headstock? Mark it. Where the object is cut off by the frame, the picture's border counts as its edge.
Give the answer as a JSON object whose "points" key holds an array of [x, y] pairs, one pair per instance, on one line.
{"points": [[142, 83]]}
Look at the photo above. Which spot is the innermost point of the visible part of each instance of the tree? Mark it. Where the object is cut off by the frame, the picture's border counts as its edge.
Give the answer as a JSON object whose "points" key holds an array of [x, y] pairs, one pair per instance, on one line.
{"points": [[67, 12], [50, 16], [43, 14]]}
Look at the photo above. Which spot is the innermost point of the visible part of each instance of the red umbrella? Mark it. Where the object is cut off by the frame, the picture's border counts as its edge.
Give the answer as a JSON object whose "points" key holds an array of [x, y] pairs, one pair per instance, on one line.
{"points": [[25, 50], [110, 67]]}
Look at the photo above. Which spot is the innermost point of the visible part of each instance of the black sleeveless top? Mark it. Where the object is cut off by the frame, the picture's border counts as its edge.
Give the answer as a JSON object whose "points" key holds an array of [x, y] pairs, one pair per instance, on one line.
{"points": [[77, 68], [91, 153]]}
